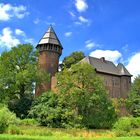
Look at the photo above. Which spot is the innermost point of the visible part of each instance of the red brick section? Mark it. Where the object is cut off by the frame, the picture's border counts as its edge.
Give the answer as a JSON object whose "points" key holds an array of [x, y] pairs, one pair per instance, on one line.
{"points": [[48, 60]]}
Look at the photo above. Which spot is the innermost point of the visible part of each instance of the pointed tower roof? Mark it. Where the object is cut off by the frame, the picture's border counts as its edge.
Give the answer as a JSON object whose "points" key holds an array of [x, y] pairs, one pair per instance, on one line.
{"points": [[122, 70], [50, 37]]}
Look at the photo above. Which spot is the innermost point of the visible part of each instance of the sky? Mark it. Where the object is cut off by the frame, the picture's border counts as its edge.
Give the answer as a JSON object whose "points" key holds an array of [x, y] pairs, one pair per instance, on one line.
{"points": [[99, 28]]}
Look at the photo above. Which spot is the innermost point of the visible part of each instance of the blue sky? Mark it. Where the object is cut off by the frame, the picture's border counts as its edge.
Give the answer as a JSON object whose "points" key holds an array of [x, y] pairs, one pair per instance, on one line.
{"points": [[109, 28]]}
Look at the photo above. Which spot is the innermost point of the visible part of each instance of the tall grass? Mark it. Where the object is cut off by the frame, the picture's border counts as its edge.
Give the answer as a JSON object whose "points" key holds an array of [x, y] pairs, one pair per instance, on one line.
{"points": [[15, 137]]}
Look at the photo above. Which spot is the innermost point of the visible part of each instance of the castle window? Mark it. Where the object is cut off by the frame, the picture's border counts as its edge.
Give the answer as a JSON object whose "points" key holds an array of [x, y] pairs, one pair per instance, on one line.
{"points": [[56, 48], [51, 46]]}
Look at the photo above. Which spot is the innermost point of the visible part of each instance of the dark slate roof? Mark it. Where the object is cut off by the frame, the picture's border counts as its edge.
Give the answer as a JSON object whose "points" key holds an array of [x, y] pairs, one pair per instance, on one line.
{"points": [[122, 70], [105, 66], [50, 37]]}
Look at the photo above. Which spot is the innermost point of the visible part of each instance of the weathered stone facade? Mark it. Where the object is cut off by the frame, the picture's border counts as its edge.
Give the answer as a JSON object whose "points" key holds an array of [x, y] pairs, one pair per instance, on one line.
{"points": [[117, 86], [117, 79]]}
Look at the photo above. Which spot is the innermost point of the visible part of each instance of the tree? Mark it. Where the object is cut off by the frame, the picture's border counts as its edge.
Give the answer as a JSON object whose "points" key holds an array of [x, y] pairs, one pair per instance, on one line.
{"points": [[17, 77], [50, 110], [73, 58], [133, 101], [84, 92]]}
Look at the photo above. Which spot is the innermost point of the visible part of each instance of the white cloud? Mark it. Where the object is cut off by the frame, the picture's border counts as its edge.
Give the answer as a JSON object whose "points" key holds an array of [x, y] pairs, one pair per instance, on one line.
{"points": [[90, 44], [77, 23], [68, 34], [72, 14], [81, 5], [125, 47], [7, 11], [19, 32], [8, 39], [134, 65], [82, 19], [36, 21], [108, 54], [4, 15], [20, 11]]}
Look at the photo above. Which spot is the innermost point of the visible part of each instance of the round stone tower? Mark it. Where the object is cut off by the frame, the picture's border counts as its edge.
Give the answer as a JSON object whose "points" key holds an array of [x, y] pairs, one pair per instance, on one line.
{"points": [[50, 49]]}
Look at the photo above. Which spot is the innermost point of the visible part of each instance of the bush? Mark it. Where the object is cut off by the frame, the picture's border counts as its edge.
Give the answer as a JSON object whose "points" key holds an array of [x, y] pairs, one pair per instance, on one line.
{"points": [[21, 106], [13, 129], [6, 118], [125, 126], [135, 122], [28, 122], [50, 110]]}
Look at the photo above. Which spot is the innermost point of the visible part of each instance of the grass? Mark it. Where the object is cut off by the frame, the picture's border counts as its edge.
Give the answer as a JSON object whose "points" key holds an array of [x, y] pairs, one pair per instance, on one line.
{"points": [[22, 137], [44, 131], [28, 132]]}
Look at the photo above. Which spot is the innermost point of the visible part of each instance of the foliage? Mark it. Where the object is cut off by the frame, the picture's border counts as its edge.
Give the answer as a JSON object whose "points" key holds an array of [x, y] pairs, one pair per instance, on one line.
{"points": [[6, 118], [78, 103], [21, 106], [135, 122], [73, 58], [83, 91], [50, 110], [13, 129], [125, 125], [28, 122], [133, 102], [17, 70], [17, 77]]}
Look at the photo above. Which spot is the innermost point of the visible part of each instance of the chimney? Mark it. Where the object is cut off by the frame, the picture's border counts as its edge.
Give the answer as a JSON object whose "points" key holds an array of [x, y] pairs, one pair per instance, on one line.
{"points": [[102, 59]]}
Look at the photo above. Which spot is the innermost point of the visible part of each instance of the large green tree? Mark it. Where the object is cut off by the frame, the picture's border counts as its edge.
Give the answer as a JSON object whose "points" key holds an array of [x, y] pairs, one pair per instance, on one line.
{"points": [[17, 77], [133, 101], [81, 101], [51, 110], [73, 58], [85, 93]]}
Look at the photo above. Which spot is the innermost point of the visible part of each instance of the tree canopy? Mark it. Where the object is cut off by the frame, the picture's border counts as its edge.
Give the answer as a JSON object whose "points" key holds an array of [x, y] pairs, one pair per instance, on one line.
{"points": [[73, 58], [81, 101], [133, 101], [85, 93], [17, 77]]}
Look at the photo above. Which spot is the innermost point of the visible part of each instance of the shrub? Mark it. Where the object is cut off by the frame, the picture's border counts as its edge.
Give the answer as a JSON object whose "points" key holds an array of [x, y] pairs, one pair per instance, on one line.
{"points": [[123, 124], [13, 129], [6, 118], [135, 122], [28, 122], [126, 126], [50, 110], [21, 106]]}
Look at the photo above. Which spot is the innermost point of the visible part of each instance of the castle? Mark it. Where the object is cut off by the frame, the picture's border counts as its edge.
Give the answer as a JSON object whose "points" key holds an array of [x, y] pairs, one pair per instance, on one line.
{"points": [[117, 79]]}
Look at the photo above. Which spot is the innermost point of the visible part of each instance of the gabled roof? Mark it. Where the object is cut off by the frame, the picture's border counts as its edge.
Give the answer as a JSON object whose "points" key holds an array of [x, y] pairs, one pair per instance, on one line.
{"points": [[50, 37], [105, 66], [122, 70]]}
